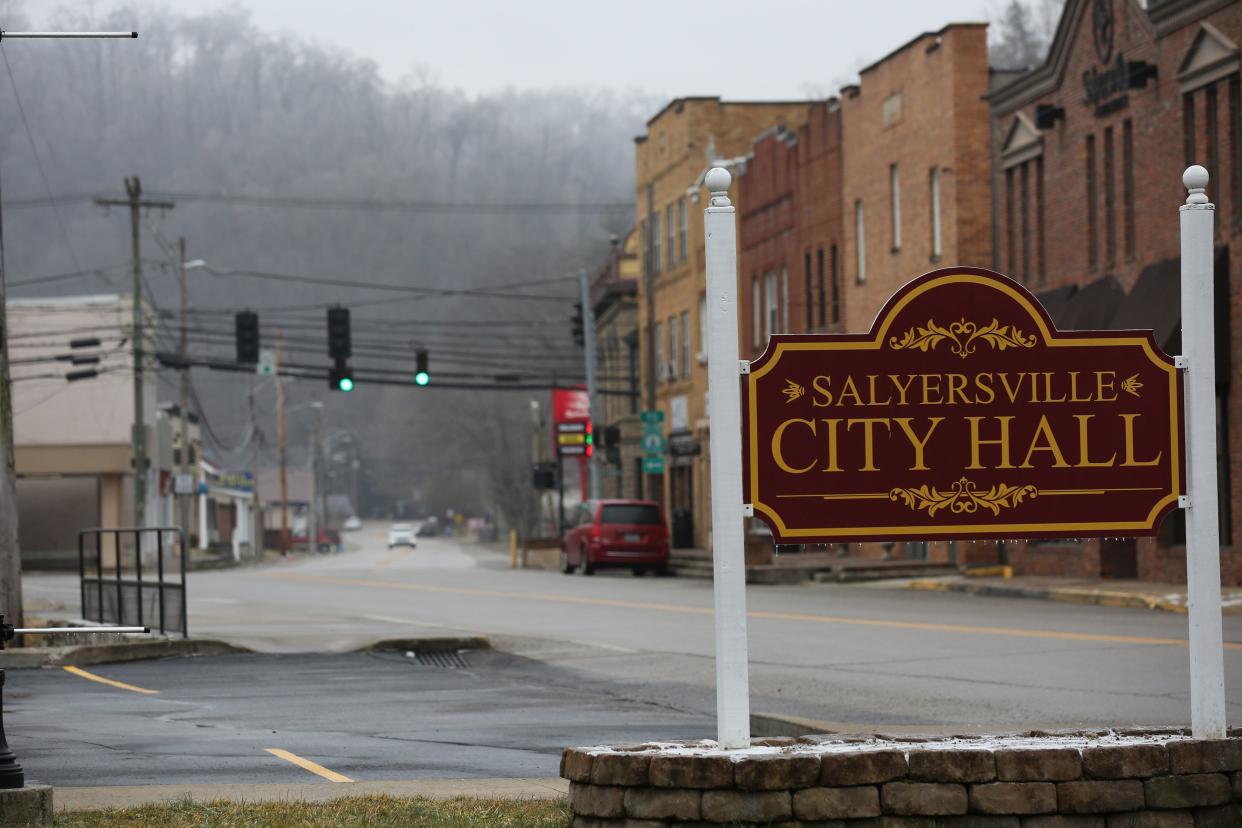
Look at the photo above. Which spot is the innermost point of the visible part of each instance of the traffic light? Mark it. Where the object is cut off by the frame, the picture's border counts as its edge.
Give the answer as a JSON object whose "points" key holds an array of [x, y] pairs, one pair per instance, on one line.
{"points": [[421, 377], [338, 333], [589, 440], [246, 326], [577, 323], [341, 377]]}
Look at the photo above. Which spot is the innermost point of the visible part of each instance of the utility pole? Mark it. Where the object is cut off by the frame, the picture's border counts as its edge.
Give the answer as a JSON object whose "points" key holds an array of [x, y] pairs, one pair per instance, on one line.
{"points": [[185, 398], [312, 526], [588, 351], [257, 543], [138, 436], [280, 438]]}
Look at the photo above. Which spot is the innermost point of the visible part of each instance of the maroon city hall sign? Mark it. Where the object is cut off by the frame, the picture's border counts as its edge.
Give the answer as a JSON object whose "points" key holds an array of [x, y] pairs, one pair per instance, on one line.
{"points": [[963, 413]]}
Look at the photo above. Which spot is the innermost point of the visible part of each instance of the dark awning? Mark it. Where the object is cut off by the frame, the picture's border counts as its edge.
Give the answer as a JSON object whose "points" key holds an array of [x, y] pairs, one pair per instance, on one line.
{"points": [[1155, 303], [1054, 301], [1094, 306]]}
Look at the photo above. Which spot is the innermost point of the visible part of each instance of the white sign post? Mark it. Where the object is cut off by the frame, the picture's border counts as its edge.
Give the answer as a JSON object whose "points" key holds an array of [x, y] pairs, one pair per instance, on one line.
{"points": [[1207, 663], [725, 398]]}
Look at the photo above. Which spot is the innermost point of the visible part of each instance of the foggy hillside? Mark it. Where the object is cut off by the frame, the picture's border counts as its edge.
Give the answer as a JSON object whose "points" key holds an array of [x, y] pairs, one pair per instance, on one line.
{"points": [[204, 106]]}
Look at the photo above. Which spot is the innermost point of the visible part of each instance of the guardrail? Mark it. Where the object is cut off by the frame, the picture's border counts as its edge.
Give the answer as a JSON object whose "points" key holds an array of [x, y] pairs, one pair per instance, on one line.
{"points": [[119, 594]]}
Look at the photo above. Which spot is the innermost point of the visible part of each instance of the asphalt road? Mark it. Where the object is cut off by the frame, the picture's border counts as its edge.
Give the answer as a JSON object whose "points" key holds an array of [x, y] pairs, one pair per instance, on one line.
{"points": [[584, 660]]}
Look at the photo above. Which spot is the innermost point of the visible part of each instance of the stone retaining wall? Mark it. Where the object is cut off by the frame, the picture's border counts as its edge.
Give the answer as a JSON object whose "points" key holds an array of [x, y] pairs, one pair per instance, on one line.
{"points": [[1039, 780]]}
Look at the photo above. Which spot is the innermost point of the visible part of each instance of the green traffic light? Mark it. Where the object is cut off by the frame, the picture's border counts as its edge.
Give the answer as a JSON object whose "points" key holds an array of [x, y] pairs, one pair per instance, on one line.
{"points": [[346, 384], [422, 378]]}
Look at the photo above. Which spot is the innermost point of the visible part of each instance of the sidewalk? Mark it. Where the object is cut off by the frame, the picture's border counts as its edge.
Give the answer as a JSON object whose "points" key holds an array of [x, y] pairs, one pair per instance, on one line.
{"points": [[129, 796], [1134, 594]]}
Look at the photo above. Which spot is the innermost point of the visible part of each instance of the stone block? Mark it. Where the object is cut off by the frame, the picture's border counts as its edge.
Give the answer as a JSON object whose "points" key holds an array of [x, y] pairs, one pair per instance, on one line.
{"points": [[1099, 797], [923, 798], [1036, 765], [27, 805], [1125, 761], [871, 767], [776, 773], [1210, 756], [1064, 821], [619, 769], [836, 803], [1222, 816], [596, 800], [1189, 790], [595, 822], [662, 803], [1152, 819], [952, 765], [1014, 798], [576, 765], [691, 771], [746, 806]]}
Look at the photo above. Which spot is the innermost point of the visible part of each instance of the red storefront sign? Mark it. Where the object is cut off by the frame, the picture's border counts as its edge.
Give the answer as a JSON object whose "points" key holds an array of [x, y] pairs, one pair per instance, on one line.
{"points": [[963, 413]]}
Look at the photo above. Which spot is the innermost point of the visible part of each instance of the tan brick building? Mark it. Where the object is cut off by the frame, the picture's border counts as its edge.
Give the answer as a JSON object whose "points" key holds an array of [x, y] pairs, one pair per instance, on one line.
{"points": [[681, 143], [614, 293], [1089, 152], [915, 193]]}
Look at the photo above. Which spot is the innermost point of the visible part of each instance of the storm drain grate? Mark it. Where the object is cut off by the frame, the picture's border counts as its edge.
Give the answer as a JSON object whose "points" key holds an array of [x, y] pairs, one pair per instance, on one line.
{"points": [[443, 659]]}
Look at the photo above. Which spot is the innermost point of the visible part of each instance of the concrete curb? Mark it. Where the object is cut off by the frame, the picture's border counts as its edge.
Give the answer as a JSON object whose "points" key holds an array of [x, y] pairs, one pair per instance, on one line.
{"points": [[87, 654], [1064, 595]]}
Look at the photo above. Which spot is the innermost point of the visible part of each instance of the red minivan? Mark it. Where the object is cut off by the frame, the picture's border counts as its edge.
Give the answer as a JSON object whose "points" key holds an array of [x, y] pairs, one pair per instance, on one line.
{"points": [[616, 533]]}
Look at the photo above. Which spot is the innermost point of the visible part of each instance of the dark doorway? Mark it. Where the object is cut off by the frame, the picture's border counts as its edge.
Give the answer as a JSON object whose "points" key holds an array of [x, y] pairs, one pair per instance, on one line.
{"points": [[682, 497], [1119, 558]]}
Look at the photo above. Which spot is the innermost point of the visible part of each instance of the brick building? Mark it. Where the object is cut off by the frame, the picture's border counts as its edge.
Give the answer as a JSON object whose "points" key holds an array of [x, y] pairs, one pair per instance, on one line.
{"points": [[1088, 152], [685, 139], [613, 298], [916, 188]]}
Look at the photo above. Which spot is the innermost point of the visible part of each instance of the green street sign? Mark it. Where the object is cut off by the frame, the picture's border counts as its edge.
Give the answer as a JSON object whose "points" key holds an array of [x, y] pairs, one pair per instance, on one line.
{"points": [[653, 465], [653, 443], [655, 417]]}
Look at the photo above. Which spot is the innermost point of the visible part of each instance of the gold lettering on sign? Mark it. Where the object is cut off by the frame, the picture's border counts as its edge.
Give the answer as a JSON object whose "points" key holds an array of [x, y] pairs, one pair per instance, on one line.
{"points": [[1084, 452], [868, 424], [1130, 459], [976, 441], [778, 456], [1049, 445], [915, 442]]}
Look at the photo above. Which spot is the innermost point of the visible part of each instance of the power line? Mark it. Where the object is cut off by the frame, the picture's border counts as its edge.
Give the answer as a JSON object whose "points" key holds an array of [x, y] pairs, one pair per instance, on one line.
{"points": [[499, 292]]}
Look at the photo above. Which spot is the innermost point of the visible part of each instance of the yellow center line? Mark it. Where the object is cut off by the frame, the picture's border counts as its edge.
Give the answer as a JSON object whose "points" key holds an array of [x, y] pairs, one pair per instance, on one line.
{"points": [[78, 671], [1015, 632], [306, 764], [385, 562]]}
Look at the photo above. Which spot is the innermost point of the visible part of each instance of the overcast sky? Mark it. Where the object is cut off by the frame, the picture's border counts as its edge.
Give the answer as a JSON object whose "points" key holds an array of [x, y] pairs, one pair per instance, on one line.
{"points": [[742, 49]]}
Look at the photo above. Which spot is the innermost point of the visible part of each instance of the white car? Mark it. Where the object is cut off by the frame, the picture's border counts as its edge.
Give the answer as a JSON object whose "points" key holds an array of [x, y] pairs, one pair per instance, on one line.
{"points": [[401, 534], [352, 523]]}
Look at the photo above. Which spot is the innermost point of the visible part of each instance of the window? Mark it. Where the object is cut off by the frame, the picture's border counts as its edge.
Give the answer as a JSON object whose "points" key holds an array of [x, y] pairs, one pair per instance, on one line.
{"points": [[1188, 128], [681, 232], [810, 304], [836, 288], [935, 213], [672, 236], [1011, 249], [1210, 130], [784, 300], [655, 243], [860, 238], [1039, 219], [630, 514], [1110, 202], [894, 188], [703, 325], [1093, 252], [770, 317], [659, 351], [1127, 187], [673, 353], [685, 343], [819, 274], [1235, 142], [756, 313], [1025, 184]]}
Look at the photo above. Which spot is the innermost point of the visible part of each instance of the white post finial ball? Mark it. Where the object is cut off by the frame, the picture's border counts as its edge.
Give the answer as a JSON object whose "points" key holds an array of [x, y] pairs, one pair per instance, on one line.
{"points": [[1195, 178], [718, 180]]}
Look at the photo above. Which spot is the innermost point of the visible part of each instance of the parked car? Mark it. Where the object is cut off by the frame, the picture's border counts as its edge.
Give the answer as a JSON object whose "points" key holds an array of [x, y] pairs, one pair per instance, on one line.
{"points": [[352, 523], [428, 528], [401, 534], [327, 540], [616, 533]]}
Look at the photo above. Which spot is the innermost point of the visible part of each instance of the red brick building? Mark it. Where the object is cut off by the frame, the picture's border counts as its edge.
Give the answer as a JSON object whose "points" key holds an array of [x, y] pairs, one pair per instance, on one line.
{"points": [[1088, 153]]}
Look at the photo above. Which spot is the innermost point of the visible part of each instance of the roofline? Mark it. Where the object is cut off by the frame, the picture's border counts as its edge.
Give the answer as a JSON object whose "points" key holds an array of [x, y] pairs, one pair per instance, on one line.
{"points": [[939, 33], [722, 102], [1042, 79]]}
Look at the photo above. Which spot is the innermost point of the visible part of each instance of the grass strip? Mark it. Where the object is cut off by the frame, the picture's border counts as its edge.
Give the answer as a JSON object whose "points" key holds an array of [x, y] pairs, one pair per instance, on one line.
{"points": [[372, 811]]}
